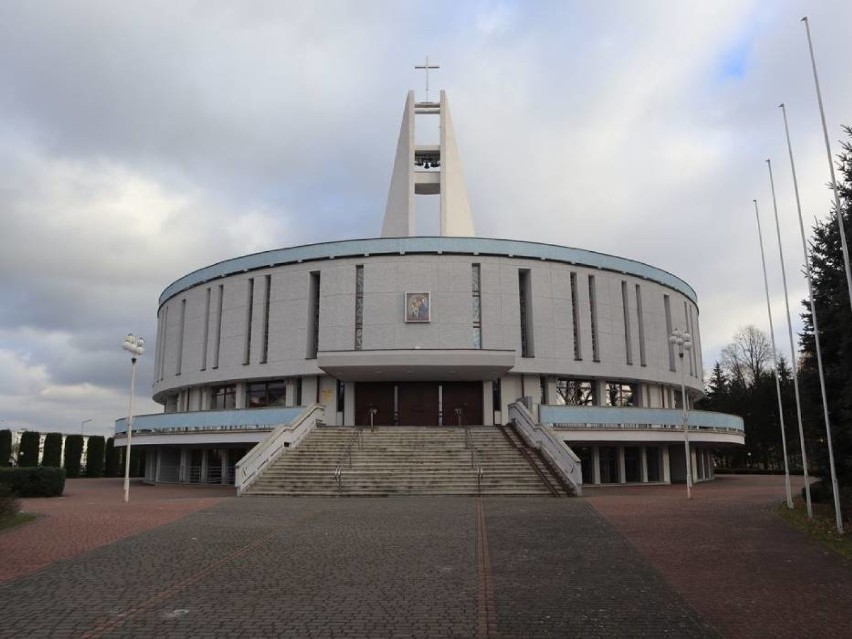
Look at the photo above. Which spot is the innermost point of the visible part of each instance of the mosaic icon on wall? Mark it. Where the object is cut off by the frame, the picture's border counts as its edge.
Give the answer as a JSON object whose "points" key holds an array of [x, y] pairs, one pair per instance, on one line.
{"points": [[417, 307]]}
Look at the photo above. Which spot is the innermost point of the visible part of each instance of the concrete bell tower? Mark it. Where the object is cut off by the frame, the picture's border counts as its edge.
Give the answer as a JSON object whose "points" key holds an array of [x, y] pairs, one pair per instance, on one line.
{"points": [[427, 169]]}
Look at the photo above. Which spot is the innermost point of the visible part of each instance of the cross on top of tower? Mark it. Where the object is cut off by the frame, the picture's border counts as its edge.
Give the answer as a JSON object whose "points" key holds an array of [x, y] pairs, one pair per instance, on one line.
{"points": [[426, 68]]}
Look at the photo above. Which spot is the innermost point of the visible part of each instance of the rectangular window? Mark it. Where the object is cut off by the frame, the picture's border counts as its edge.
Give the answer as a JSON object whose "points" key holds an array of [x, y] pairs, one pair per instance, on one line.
{"points": [[249, 313], [206, 333], [224, 397], [161, 337], [218, 344], [267, 294], [575, 392], [693, 352], [496, 395], [525, 301], [668, 310], [608, 456], [687, 323], [652, 462], [163, 345], [359, 307], [619, 394], [262, 394], [593, 314], [575, 316], [628, 343], [477, 306], [181, 329], [641, 321], [313, 315], [632, 464]]}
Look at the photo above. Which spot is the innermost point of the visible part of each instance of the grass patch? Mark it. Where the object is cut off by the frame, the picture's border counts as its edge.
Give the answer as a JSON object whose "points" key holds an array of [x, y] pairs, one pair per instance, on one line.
{"points": [[16, 520], [822, 528]]}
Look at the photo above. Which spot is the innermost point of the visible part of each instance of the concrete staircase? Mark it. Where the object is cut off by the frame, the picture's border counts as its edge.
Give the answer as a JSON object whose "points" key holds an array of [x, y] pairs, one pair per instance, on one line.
{"points": [[399, 460]]}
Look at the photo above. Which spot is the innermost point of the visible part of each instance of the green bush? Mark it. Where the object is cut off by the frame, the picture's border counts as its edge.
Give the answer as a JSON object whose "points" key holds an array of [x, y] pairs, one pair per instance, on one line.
{"points": [[28, 448], [52, 454], [112, 468], [8, 504], [34, 482], [95, 456], [73, 454], [5, 448]]}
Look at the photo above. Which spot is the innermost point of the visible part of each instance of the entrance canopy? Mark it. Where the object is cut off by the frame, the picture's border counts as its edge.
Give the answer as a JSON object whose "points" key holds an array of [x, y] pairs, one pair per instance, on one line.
{"points": [[417, 364]]}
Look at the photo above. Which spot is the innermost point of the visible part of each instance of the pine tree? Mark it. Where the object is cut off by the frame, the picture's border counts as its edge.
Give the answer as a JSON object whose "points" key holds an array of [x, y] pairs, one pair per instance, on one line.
{"points": [[831, 299]]}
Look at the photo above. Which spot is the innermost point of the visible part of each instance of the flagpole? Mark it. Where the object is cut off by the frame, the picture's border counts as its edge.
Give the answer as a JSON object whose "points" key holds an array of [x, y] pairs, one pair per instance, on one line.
{"points": [[837, 210], [793, 365], [838, 515], [775, 363]]}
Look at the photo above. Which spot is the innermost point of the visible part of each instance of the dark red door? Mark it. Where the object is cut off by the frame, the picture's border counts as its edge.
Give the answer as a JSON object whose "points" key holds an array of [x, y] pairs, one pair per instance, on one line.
{"points": [[466, 396], [418, 403], [374, 395]]}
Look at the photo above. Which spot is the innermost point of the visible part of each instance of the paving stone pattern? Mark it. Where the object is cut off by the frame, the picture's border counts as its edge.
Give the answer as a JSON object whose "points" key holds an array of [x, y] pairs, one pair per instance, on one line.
{"points": [[394, 567]]}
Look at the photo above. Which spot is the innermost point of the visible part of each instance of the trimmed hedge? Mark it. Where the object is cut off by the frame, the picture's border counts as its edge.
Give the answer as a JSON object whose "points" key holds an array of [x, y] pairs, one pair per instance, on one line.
{"points": [[95, 456], [113, 459], [73, 455], [28, 448], [52, 454], [9, 506], [34, 482], [5, 448]]}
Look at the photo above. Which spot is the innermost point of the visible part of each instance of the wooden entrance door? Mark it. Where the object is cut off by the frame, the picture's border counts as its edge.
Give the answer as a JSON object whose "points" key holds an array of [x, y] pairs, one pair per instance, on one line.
{"points": [[418, 403], [464, 395], [378, 395]]}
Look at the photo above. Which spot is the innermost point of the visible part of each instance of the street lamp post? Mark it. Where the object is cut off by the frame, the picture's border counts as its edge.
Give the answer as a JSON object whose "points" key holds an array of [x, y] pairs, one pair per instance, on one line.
{"points": [[83, 426], [135, 346], [683, 342]]}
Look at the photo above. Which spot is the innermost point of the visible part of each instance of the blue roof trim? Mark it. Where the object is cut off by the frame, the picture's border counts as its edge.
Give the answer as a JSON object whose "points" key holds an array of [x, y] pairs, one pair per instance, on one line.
{"points": [[399, 245], [607, 415]]}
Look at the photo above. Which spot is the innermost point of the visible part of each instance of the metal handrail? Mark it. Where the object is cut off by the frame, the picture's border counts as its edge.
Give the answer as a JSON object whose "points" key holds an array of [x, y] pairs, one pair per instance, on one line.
{"points": [[347, 455]]}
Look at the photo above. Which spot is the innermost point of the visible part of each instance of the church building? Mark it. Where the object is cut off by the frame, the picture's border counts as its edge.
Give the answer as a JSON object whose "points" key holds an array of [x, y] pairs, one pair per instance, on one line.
{"points": [[572, 348]]}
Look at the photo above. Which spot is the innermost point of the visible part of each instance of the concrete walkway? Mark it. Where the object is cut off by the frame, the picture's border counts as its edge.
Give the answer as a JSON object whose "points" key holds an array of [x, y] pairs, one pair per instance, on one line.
{"points": [[622, 562]]}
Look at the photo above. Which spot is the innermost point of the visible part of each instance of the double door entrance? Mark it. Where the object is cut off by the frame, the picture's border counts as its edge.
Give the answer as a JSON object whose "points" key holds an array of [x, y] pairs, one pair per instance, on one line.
{"points": [[418, 403]]}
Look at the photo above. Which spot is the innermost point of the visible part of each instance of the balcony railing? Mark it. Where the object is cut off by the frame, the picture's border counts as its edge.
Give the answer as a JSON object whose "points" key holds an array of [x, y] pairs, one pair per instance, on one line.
{"points": [[211, 420], [579, 417]]}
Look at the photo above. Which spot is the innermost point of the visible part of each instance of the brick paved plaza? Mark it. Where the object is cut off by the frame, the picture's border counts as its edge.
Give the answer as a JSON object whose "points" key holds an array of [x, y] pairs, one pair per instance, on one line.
{"points": [[622, 562]]}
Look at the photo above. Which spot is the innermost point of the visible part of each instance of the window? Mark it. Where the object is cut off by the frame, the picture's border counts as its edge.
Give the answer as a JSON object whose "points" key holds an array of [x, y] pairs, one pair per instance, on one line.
{"points": [[641, 321], [218, 344], [632, 464], [224, 397], [527, 343], [575, 392], [359, 307], [181, 330], [477, 306], [593, 314], [249, 311], [206, 337], [261, 394], [618, 394], [608, 456], [575, 315], [628, 342], [267, 294], [667, 307], [652, 459], [313, 314]]}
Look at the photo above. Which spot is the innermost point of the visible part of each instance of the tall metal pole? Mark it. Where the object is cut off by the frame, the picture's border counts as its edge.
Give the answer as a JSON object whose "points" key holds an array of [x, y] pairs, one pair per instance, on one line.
{"points": [[129, 430], [835, 488], [837, 210], [685, 427], [775, 364], [793, 365]]}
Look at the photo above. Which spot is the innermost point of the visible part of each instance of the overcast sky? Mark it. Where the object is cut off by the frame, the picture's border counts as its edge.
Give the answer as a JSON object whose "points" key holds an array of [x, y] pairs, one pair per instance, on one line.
{"points": [[140, 141]]}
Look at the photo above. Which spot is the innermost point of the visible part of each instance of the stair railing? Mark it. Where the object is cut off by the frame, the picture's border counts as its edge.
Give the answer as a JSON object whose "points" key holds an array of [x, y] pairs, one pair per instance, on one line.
{"points": [[475, 462], [563, 460], [284, 436], [356, 439]]}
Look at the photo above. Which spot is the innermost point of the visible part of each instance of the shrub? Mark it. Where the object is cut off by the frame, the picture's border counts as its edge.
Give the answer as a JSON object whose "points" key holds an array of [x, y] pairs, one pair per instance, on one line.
{"points": [[28, 448], [8, 504], [34, 482], [113, 459], [52, 454], [5, 448], [73, 454], [95, 457]]}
